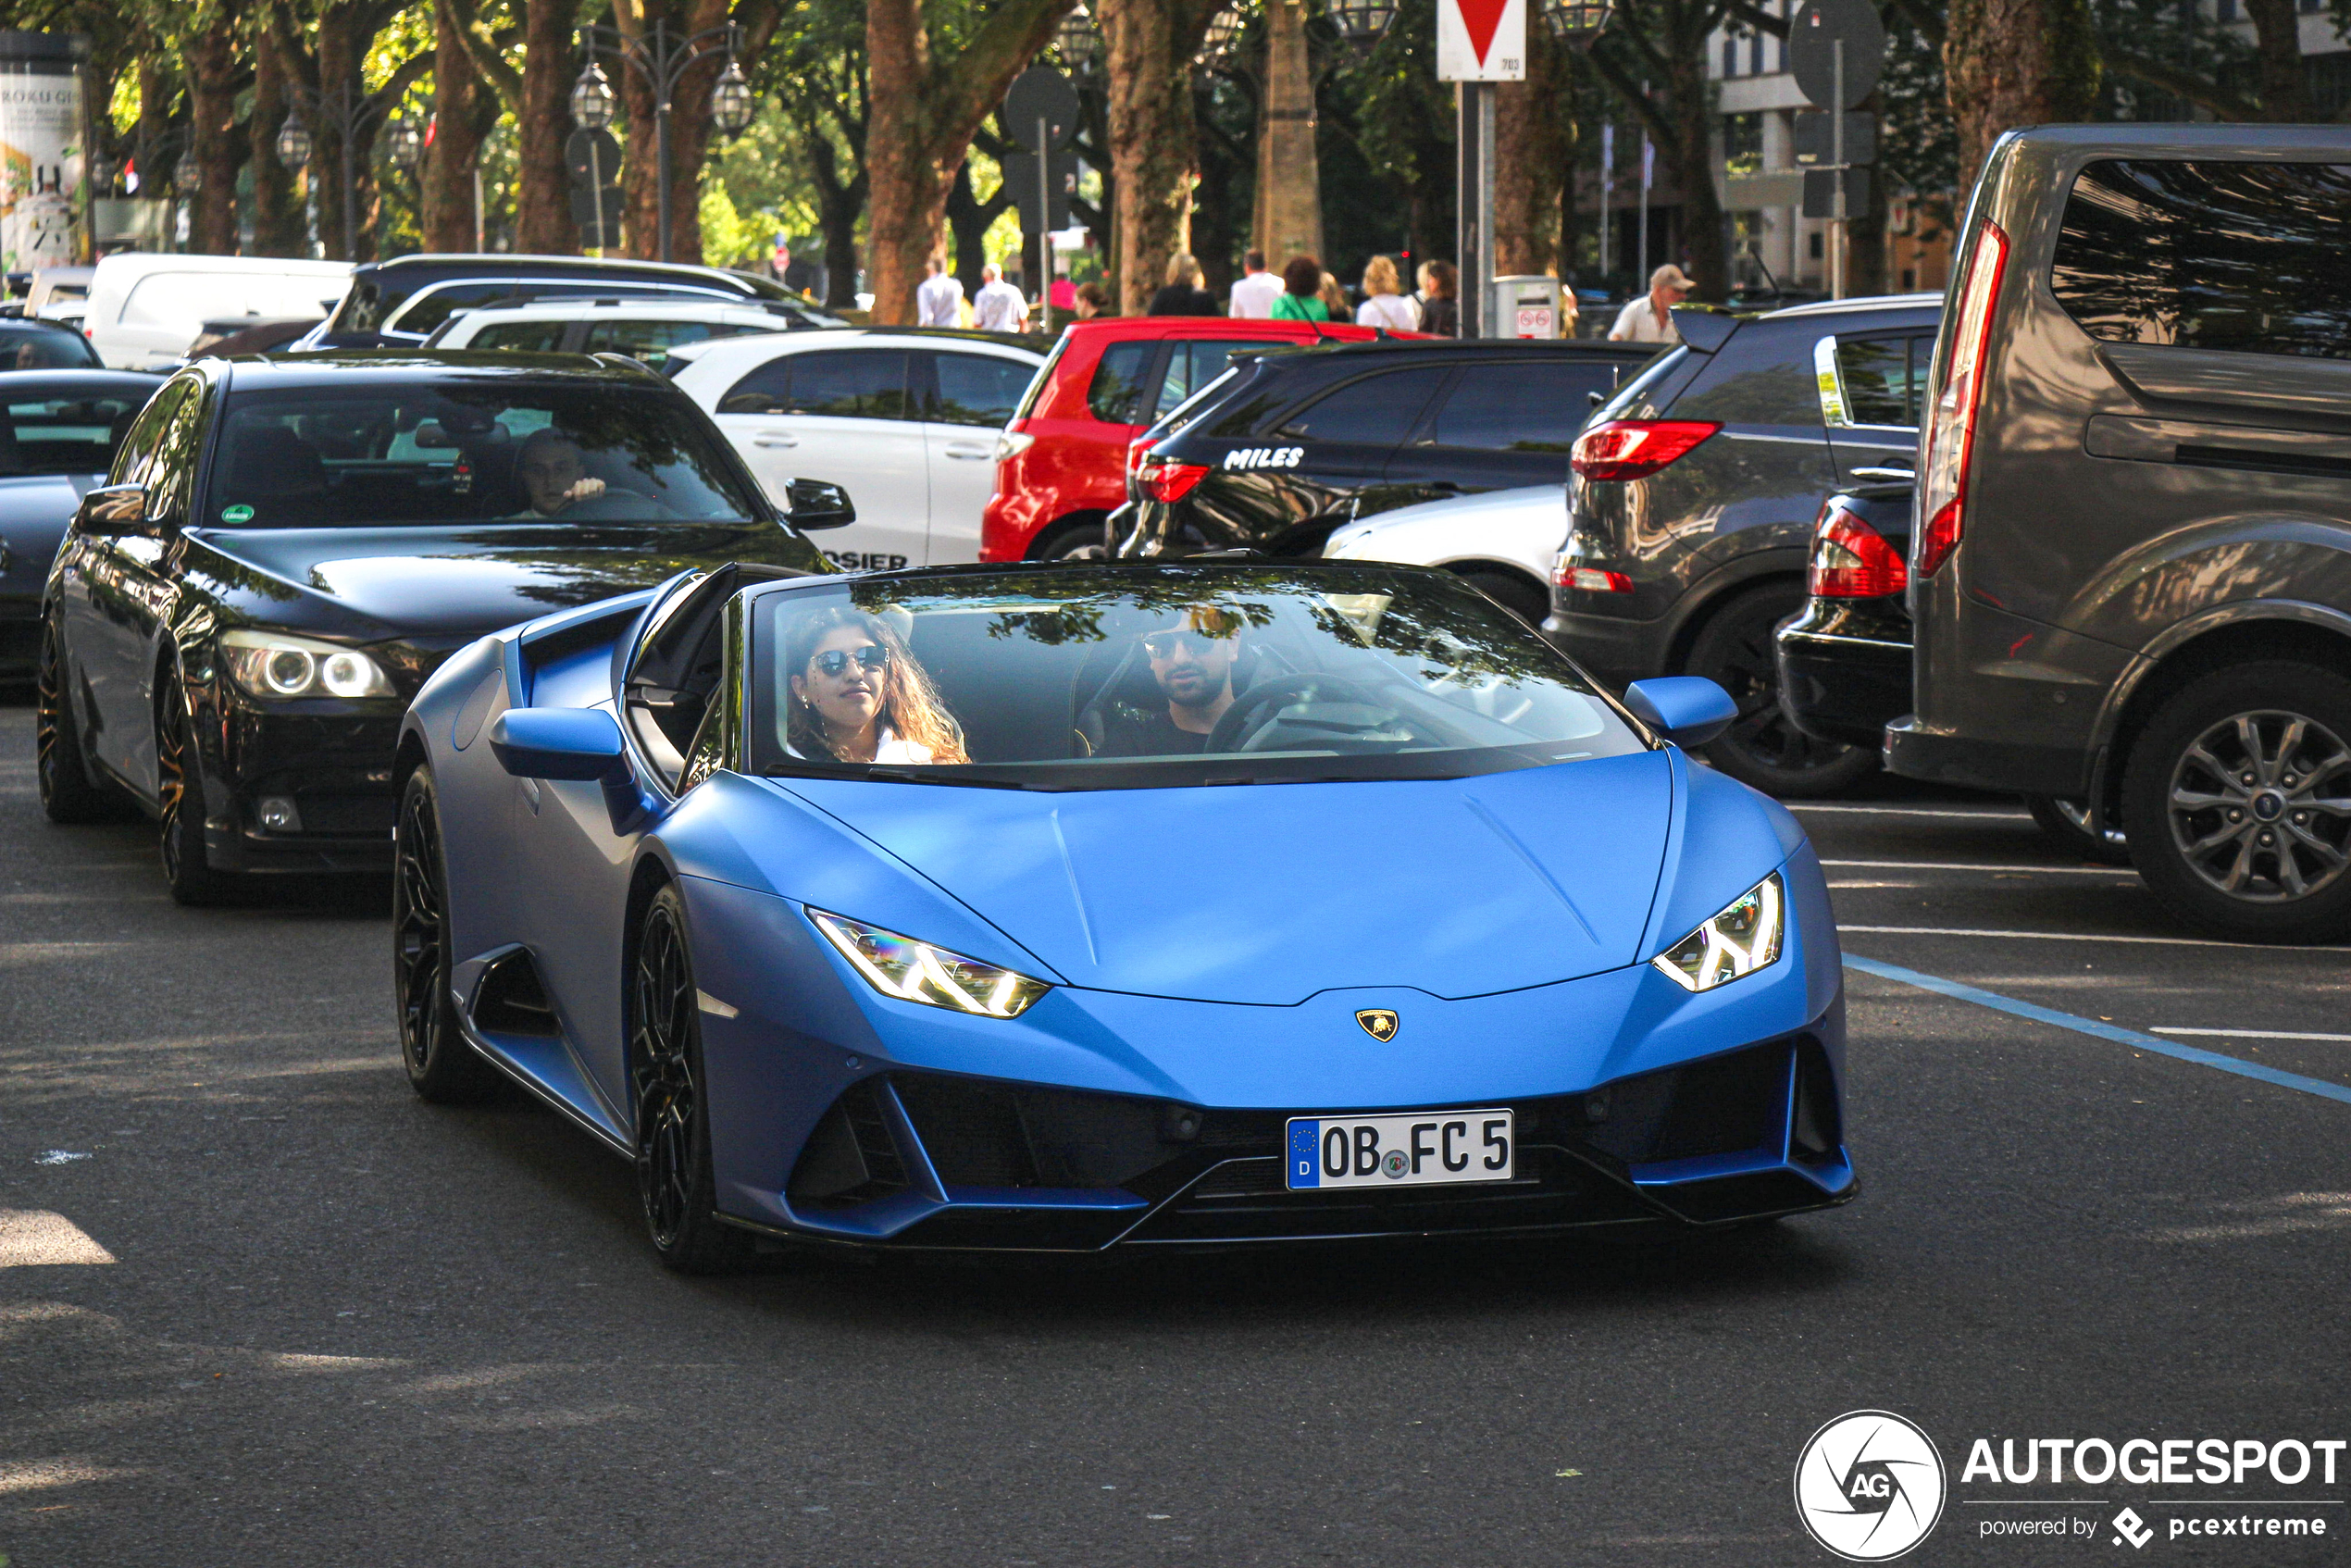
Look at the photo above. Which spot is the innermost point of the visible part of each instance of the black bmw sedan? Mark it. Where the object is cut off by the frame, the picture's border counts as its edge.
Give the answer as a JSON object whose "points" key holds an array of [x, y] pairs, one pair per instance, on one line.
{"points": [[286, 549]]}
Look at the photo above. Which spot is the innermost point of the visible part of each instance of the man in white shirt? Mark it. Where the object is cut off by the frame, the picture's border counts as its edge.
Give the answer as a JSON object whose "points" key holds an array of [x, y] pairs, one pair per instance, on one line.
{"points": [[1254, 293], [1649, 319], [938, 298], [999, 306]]}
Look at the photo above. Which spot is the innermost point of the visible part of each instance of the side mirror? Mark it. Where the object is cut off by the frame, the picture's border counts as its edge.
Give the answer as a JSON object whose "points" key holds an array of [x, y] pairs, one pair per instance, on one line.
{"points": [[814, 504], [1688, 710], [578, 745], [114, 511]]}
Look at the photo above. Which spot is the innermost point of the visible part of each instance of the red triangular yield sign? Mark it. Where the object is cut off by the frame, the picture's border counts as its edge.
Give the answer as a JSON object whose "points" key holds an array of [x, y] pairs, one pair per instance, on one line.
{"points": [[1481, 17]]}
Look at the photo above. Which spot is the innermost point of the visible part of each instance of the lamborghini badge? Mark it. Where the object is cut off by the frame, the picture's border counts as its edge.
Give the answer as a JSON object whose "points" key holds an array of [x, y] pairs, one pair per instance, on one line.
{"points": [[1378, 1023]]}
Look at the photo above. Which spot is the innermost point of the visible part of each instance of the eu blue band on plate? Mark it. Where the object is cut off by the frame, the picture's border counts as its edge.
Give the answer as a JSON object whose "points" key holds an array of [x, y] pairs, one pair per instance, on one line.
{"points": [[1305, 1159]]}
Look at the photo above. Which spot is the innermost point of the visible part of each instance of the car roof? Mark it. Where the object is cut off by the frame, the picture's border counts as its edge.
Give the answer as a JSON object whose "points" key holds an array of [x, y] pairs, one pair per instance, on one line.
{"points": [[1218, 326], [346, 366], [708, 308], [766, 344], [133, 263], [35, 324], [502, 264], [21, 383]]}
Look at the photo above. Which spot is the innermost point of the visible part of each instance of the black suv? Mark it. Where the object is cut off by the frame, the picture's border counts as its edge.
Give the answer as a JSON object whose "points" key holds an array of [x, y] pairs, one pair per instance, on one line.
{"points": [[1290, 444], [1690, 515], [2132, 572], [400, 302]]}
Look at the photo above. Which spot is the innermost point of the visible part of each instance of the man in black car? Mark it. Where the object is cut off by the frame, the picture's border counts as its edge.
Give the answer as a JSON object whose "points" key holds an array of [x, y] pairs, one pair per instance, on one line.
{"points": [[554, 473], [1191, 661]]}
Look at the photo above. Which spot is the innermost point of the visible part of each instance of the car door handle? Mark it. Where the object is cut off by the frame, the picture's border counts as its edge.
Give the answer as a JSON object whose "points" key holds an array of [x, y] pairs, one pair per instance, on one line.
{"points": [[773, 438], [968, 452]]}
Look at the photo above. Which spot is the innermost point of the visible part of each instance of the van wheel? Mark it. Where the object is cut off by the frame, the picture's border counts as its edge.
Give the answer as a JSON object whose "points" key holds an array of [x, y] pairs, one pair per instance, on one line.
{"points": [[2066, 823], [2237, 801], [1761, 748]]}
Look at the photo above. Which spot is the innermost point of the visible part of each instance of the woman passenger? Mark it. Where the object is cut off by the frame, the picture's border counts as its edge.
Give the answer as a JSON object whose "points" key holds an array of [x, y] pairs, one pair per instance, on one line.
{"points": [[858, 696]]}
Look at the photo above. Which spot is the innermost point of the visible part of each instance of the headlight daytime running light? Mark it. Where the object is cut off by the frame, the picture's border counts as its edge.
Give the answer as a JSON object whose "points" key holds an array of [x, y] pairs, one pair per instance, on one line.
{"points": [[276, 664], [1737, 942], [912, 971]]}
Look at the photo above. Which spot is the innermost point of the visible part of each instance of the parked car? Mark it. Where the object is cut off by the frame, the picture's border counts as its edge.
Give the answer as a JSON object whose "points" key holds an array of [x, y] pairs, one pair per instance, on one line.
{"points": [[1289, 446], [53, 291], [1062, 469], [1009, 1012], [59, 430], [2132, 580], [1503, 543], [234, 335], [287, 548], [27, 344], [644, 329], [1690, 513], [904, 420], [145, 310], [406, 300]]}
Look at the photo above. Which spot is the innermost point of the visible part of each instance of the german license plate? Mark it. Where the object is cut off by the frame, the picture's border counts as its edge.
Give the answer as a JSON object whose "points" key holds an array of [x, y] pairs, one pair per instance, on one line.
{"points": [[1418, 1148]]}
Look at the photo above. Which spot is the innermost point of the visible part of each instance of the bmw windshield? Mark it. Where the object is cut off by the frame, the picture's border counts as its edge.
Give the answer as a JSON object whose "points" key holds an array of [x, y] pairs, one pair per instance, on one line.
{"points": [[1095, 676]]}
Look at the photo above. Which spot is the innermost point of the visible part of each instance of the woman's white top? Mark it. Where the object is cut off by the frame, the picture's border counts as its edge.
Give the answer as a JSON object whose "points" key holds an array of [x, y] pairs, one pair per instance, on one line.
{"points": [[1395, 312], [891, 749]]}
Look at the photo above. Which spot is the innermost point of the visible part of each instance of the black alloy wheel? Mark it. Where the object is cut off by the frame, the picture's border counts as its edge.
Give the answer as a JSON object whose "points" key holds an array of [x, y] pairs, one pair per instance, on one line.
{"points": [[1513, 592], [2237, 801], [1084, 540], [179, 802], [443, 1067], [2067, 822], [674, 1177], [1734, 649], [68, 793]]}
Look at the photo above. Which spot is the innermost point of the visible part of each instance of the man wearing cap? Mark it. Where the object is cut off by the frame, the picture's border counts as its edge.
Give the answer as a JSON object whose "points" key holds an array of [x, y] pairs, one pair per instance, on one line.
{"points": [[1649, 319]]}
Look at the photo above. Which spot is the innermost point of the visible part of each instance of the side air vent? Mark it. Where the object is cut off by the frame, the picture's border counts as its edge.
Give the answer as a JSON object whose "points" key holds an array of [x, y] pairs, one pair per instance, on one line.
{"points": [[510, 1000], [991, 1134], [851, 1158], [1725, 1105]]}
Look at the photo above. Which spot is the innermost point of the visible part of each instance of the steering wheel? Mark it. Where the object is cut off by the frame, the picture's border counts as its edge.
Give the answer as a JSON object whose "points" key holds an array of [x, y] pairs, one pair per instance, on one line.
{"points": [[1328, 687]]}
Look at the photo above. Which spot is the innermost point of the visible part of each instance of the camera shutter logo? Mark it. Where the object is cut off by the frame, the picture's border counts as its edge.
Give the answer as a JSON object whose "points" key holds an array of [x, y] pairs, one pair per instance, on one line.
{"points": [[1870, 1486]]}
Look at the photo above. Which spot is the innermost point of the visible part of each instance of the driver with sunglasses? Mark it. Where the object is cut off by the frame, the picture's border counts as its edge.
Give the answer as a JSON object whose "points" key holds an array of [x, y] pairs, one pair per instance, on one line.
{"points": [[1191, 662]]}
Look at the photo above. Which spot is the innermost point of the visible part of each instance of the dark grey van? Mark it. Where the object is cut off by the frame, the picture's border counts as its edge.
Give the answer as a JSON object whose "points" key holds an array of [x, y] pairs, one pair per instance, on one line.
{"points": [[2130, 570], [1694, 491]]}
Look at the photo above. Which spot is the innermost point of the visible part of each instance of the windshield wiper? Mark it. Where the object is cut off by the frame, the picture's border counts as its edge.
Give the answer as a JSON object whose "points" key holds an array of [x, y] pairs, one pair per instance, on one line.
{"points": [[967, 781]]}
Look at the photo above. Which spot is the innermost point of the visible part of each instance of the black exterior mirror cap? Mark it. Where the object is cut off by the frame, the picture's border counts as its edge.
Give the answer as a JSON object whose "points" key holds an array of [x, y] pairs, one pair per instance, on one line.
{"points": [[115, 511], [818, 504]]}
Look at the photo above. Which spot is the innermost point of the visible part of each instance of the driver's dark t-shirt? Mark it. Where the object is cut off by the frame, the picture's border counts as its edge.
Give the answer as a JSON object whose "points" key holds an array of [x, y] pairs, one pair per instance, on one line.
{"points": [[1135, 732]]}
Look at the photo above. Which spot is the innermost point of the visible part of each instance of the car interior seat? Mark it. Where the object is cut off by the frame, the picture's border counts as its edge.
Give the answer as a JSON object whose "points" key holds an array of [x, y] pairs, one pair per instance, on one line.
{"points": [[277, 473]]}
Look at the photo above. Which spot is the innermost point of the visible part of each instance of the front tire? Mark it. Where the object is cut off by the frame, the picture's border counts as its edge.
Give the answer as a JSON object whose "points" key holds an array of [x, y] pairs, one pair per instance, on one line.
{"points": [[68, 793], [2067, 825], [1082, 540], [442, 1067], [1512, 593], [1761, 748], [675, 1183], [180, 801], [2237, 801]]}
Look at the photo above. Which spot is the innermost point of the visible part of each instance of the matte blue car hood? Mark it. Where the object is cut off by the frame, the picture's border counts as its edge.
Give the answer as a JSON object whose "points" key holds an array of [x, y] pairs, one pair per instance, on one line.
{"points": [[1270, 893]]}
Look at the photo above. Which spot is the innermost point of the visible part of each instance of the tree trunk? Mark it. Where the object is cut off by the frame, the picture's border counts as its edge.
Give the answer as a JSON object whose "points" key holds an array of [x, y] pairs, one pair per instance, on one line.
{"points": [[1154, 146], [1689, 158], [156, 159], [839, 203], [925, 109], [2007, 64], [212, 96], [1529, 160], [542, 195], [457, 140], [1289, 197], [279, 222], [2277, 40]]}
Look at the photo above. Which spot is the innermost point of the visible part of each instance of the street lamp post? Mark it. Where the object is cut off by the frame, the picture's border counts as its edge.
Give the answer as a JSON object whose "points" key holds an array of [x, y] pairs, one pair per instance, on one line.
{"points": [[347, 114], [663, 62]]}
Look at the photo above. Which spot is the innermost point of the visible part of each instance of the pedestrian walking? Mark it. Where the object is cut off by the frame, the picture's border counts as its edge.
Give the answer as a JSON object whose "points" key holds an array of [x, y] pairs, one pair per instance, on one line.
{"points": [[1301, 295], [939, 299], [1000, 307], [799, 273], [1440, 309], [1254, 295], [1182, 295], [1649, 319], [1385, 302], [1093, 300], [1334, 296]]}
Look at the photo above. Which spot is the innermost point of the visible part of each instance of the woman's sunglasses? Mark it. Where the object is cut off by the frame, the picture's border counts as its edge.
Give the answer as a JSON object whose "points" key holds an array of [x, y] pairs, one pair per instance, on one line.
{"points": [[1162, 644], [832, 661]]}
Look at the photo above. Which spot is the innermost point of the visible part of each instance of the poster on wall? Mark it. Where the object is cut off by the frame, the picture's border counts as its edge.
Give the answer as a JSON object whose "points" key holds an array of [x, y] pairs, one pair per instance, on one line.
{"points": [[40, 150]]}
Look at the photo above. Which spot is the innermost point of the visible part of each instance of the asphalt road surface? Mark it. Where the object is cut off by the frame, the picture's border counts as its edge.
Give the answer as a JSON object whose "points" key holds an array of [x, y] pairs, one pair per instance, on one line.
{"points": [[258, 1305]]}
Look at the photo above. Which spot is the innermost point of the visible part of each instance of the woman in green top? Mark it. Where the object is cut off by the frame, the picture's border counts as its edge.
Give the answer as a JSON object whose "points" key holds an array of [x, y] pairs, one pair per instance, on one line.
{"points": [[1300, 299]]}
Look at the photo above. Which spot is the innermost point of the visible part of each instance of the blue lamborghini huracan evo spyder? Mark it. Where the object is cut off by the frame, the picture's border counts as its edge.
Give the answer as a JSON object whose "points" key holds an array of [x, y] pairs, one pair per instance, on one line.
{"points": [[1104, 905]]}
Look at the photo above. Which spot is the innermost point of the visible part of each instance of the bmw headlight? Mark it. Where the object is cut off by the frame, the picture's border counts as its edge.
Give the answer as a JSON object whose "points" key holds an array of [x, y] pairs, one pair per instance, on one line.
{"points": [[913, 971], [278, 664], [1741, 939]]}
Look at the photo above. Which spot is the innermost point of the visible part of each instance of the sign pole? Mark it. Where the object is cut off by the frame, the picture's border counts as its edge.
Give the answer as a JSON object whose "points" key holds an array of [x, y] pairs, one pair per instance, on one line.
{"points": [[1836, 160], [1044, 288]]}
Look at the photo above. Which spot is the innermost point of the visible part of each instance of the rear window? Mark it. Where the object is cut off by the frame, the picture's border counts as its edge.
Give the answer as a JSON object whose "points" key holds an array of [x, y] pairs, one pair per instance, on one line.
{"points": [[1191, 366], [1522, 407], [1115, 396], [64, 435], [45, 348], [978, 389], [848, 384], [2250, 258], [1882, 377], [1377, 409], [522, 336], [1763, 378]]}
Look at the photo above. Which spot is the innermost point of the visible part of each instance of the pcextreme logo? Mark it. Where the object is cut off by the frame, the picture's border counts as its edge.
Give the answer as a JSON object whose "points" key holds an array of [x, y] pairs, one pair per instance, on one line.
{"points": [[1869, 1486]]}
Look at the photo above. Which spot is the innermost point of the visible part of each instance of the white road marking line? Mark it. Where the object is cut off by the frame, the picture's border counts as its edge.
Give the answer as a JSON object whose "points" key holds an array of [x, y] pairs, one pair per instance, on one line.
{"points": [[2246, 1034], [31, 1237], [2078, 937], [1963, 865], [35, 1474], [1911, 811]]}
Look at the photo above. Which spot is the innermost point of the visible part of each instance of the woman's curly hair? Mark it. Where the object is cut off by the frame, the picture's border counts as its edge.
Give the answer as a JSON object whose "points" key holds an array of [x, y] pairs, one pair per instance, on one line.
{"points": [[910, 703]]}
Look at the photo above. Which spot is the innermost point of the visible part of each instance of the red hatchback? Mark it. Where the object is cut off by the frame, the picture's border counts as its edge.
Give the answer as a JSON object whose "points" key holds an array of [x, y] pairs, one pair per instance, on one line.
{"points": [[1062, 462]]}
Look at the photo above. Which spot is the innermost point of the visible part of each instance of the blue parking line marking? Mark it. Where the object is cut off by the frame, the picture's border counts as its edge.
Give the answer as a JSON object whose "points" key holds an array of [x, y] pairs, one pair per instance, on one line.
{"points": [[2131, 1038], [1305, 1153]]}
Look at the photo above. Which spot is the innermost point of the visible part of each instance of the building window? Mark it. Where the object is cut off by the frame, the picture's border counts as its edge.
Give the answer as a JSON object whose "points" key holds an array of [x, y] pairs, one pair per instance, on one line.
{"points": [[1730, 55], [1742, 146], [1813, 246], [1755, 54]]}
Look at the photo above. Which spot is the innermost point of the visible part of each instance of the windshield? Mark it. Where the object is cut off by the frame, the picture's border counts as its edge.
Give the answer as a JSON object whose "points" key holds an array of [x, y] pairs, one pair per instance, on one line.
{"points": [[1096, 678], [45, 348], [457, 452], [63, 435]]}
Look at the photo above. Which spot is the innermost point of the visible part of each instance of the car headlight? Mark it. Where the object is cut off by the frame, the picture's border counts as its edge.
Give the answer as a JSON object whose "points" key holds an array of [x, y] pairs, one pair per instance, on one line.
{"points": [[913, 971], [276, 664], [1741, 939]]}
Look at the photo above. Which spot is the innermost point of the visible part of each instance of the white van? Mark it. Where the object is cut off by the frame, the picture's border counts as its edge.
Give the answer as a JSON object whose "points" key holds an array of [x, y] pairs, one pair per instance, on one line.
{"points": [[145, 310]]}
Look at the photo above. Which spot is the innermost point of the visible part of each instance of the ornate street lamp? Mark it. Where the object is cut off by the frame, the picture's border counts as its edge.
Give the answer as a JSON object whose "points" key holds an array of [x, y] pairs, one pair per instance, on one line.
{"points": [[1361, 23], [731, 102], [662, 59], [293, 141], [591, 99], [1224, 31], [1578, 21], [1079, 40], [406, 142]]}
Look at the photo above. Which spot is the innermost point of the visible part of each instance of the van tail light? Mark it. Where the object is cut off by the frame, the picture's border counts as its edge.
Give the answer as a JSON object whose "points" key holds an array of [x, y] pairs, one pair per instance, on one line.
{"points": [[1851, 560], [1163, 481], [1634, 449], [1591, 579], [1954, 402]]}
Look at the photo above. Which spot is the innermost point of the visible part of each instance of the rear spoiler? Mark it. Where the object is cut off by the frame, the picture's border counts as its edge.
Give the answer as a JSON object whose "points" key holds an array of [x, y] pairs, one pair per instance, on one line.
{"points": [[1705, 328]]}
